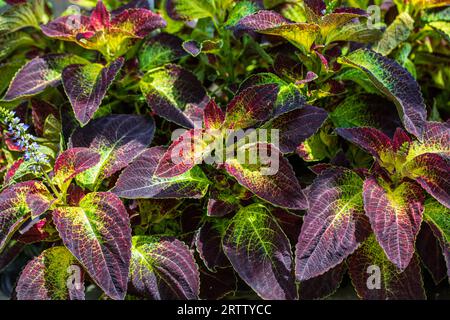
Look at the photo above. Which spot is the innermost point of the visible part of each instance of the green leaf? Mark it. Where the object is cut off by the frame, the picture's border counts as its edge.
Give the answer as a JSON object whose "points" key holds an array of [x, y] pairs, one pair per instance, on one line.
{"points": [[301, 35], [173, 26], [397, 32], [29, 14], [9, 42], [356, 32], [401, 56], [359, 77], [319, 146], [366, 111], [190, 10], [240, 10], [8, 70], [158, 50], [437, 217], [50, 142], [333, 21], [433, 15], [426, 4], [442, 27]]}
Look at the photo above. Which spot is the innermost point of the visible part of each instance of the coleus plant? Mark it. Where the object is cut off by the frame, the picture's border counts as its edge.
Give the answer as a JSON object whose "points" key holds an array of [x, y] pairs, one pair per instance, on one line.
{"points": [[124, 123], [85, 83]]}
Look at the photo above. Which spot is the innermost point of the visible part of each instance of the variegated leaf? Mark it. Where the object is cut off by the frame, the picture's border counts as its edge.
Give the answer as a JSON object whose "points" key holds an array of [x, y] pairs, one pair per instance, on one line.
{"points": [[395, 215], [163, 269], [260, 253], [138, 180], [97, 232], [48, 277], [331, 229]]}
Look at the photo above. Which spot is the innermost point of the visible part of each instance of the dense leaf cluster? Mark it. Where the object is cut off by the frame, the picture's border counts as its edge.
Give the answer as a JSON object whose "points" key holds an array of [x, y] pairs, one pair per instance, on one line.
{"points": [[354, 95]]}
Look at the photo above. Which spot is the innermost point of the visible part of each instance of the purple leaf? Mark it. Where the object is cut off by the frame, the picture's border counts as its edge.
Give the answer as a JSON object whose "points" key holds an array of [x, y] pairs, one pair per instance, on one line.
{"points": [[97, 232], [163, 269], [216, 285], [310, 76], [357, 11], [436, 139], [260, 20], [288, 97], [219, 208], [290, 223], [270, 178], [66, 27], [40, 73], [432, 172], [261, 253], [133, 4], [430, 252], [12, 170], [38, 203], [213, 116], [138, 22], [40, 111], [395, 216], [100, 17], [138, 180], [317, 6], [208, 240], [86, 86], [183, 154], [400, 139], [330, 230], [192, 47], [324, 285], [117, 138], [297, 126], [15, 2], [371, 140], [437, 132], [129, 23]]}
